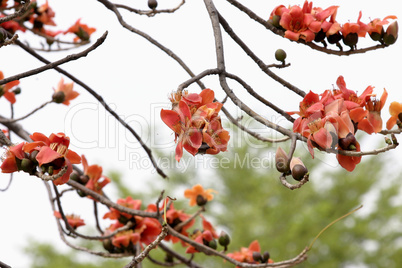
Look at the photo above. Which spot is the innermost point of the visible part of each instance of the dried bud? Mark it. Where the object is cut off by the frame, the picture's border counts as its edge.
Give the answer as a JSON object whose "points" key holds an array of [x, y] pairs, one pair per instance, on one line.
{"points": [[257, 256], [224, 239], [265, 257], [201, 201], [298, 169], [281, 160], [280, 55], [59, 97], [391, 34], [17, 90], [152, 4], [84, 179], [107, 244], [351, 40]]}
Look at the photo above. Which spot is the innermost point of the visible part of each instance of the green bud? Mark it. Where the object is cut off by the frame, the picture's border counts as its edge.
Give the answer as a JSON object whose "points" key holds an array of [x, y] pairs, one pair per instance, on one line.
{"points": [[17, 90], [276, 19], [265, 257], [212, 244], [27, 165], [280, 55], [224, 239]]}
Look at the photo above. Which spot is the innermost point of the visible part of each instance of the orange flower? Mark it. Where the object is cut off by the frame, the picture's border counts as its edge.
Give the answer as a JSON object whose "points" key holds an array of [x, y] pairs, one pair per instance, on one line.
{"points": [[45, 15], [198, 195], [94, 172], [5, 89], [395, 109], [53, 153], [299, 23], [175, 217], [246, 254], [82, 31], [73, 220], [123, 239], [13, 154], [64, 93]]}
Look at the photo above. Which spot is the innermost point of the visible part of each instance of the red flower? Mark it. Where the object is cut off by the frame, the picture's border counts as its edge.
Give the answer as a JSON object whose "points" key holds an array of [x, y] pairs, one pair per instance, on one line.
{"points": [[64, 92], [246, 254], [200, 238], [13, 153], [54, 152], [299, 23], [73, 220], [124, 238], [395, 109], [11, 26], [96, 181], [82, 31], [175, 217], [5, 89], [129, 202], [45, 15], [179, 121]]}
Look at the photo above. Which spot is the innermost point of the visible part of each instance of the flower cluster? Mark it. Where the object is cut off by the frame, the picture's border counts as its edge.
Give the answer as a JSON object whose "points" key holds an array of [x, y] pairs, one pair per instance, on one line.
{"points": [[194, 119], [48, 154], [40, 17], [142, 230], [331, 119], [310, 23]]}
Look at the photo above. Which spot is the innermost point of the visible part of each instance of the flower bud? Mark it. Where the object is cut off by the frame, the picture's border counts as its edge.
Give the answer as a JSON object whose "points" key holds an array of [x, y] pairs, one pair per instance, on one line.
{"points": [[388, 141], [212, 244], [391, 34], [224, 239], [17, 90], [3, 35], [281, 160], [27, 165], [276, 21], [298, 169], [107, 244], [280, 55], [74, 177], [59, 97], [152, 4], [168, 258]]}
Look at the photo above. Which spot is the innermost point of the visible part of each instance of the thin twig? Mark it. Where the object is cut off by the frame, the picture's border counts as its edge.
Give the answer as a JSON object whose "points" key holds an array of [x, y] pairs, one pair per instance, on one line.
{"points": [[290, 186], [148, 249], [52, 65], [27, 115], [150, 13], [19, 13]]}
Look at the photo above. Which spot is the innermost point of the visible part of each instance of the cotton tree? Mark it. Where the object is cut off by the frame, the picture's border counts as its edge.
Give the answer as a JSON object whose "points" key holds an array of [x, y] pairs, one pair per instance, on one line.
{"points": [[328, 121]]}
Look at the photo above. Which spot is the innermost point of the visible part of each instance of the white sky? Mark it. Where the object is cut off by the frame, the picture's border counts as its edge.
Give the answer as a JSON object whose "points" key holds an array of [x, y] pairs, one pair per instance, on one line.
{"points": [[135, 77]]}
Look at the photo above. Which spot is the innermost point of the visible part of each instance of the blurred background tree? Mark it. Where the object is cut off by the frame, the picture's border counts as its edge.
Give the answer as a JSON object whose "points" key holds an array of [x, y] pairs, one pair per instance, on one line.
{"points": [[283, 221]]}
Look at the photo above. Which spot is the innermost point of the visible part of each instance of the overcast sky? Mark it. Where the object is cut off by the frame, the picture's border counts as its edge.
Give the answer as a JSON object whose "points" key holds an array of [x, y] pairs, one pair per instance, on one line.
{"points": [[135, 78]]}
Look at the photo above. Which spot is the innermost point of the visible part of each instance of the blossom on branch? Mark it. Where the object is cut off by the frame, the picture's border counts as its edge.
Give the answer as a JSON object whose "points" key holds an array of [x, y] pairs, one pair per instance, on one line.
{"points": [[82, 31], [5, 90], [64, 93], [73, 220], [199, 196], [195, 121], [12, 158], [53, 154], [96, 181], [395, 109]]}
